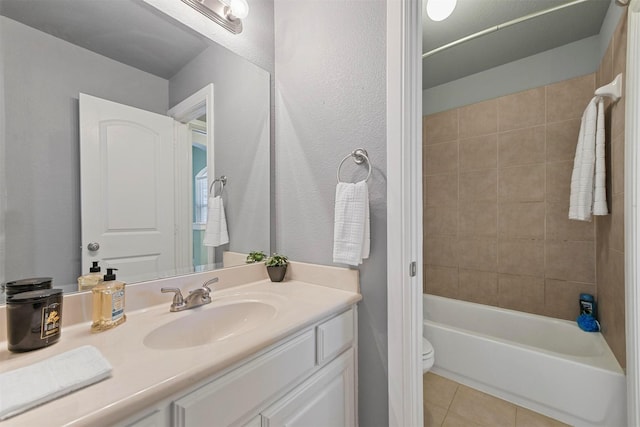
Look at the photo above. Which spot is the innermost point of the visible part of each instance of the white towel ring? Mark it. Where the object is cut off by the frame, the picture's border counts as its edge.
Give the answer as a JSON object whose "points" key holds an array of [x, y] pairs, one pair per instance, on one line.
{"points": [[360, 156], [222, 180]]}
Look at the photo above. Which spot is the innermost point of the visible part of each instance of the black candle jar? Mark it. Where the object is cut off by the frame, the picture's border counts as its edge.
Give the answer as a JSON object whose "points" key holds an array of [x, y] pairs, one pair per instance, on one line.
{"points": [[25, 285], [34, 319]]}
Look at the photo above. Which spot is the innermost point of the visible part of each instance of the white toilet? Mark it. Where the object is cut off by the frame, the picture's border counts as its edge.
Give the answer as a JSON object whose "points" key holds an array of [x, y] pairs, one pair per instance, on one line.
{"points": [[427, 355]]}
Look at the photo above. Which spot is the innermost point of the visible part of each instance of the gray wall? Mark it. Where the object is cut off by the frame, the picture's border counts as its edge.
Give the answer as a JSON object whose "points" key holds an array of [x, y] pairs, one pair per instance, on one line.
{"points": [[330, 99], [43, 76], [241, 139], [565, 62]]}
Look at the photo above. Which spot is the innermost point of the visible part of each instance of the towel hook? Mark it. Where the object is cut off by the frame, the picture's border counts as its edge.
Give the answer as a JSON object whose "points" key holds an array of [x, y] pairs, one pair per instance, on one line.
{"points": [[222, 180], [360, 156]]}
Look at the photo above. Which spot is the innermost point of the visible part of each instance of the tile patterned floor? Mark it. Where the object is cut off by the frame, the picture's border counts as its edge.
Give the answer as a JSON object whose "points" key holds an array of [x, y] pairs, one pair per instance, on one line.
{"points": [[449, 404]]}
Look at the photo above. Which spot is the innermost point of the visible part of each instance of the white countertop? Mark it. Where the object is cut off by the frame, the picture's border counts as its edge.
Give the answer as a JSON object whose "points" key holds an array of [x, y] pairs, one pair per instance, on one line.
{"points": [[143, 376]]}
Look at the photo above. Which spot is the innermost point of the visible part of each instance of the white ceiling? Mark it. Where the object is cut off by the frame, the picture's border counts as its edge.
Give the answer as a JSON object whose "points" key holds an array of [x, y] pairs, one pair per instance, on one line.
{"points": [[519, 41], [128, 31]]}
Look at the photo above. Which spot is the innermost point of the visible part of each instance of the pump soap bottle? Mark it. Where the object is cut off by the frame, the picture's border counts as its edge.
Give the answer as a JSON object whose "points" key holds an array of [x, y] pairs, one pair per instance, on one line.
{"points": [[90, 280], [108, 303]]}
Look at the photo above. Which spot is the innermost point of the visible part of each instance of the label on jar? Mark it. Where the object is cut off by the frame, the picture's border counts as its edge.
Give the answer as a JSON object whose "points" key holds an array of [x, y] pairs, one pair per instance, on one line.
{"points": [[117, 305], [50, 320]]}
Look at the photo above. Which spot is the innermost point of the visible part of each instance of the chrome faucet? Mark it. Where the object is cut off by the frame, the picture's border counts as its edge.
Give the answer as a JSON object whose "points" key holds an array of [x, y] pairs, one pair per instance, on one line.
{"points": [[196, 298]]}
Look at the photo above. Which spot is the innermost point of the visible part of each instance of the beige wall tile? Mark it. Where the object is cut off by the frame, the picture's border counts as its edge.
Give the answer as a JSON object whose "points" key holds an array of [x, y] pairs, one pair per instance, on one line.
{"points": [[523, 293], [568, 99], [441, 221], [483, 409], [522, 184], [527, 418], [560, 227], [620, 46], [441, 127], [521, 220], [616, 165], [479, 186], [441, 251], [477, 254], [442, 281], [570, 260], [521, 257], [441, 190], [441, 158], [479, 153], [522, 109], [561, 297], [617, 117], [558, 184], [617, 223], [478, 219], [478, 286], [562, 139], [604, 75], [612, 308], [521, 147], [478, 119], [438, 390]]}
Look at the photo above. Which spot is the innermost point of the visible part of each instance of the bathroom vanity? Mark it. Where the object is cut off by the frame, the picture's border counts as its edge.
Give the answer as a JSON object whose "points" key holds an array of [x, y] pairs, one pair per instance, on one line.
{"points": [[261, 354]]}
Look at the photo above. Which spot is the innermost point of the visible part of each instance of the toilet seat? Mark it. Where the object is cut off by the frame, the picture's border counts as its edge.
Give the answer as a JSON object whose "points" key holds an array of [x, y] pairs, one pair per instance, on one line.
{"points": [[427, 355], [427, 349]]}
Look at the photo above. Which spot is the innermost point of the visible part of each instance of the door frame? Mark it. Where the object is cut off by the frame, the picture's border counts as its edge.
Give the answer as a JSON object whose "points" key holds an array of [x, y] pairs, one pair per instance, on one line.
{"points": [[404, 212], [632, 213], [193, 107]]}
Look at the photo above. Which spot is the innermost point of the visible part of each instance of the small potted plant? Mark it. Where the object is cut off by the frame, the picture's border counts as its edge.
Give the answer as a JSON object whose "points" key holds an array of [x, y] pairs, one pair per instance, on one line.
{"points": [[257, 256], [276, 267]]}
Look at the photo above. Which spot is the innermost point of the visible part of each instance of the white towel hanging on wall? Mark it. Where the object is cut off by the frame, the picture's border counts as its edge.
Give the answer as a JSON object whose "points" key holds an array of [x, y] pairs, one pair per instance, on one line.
{"points": [[588, 180]]}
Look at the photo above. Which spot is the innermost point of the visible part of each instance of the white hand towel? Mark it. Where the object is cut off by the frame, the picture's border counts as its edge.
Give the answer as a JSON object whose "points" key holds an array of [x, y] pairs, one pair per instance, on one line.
{"points": [[33, 385], [600, 189], [216, 233], [581, 198], [351, 234]]}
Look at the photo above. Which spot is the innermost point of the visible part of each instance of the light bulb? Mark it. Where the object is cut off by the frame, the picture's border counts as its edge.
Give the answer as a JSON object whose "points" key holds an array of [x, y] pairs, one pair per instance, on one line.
{"points": [[439, 10], [239, 8]]}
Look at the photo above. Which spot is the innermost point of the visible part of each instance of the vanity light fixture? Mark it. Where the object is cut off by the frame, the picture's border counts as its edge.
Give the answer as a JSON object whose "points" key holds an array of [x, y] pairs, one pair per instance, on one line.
{"points": [[226, 13], [439, 10]]}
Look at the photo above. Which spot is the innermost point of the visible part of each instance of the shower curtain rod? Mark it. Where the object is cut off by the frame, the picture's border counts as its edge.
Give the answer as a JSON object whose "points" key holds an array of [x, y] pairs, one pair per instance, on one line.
{"points": [[507, 24]]}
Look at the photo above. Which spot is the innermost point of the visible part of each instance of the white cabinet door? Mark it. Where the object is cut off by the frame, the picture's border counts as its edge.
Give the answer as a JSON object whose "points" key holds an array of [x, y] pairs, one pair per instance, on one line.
{"points": [[127, 176], [327, 399]]}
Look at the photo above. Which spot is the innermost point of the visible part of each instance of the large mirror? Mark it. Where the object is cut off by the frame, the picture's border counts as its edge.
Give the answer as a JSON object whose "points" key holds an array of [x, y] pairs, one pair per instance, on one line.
{"points": [[124, 53]]}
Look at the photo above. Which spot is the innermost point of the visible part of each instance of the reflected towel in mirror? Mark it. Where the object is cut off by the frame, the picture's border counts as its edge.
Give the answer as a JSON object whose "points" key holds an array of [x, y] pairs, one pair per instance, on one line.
{"points": [[216, 233]]}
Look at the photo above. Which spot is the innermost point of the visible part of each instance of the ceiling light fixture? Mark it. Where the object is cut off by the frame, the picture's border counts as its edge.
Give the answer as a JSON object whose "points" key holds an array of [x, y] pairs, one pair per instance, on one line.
{"points": [[226, 13], [439, 10]]}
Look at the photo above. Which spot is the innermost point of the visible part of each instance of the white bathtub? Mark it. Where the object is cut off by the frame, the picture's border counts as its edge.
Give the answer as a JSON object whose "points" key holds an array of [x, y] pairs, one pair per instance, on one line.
{"points": [[544, 364]]}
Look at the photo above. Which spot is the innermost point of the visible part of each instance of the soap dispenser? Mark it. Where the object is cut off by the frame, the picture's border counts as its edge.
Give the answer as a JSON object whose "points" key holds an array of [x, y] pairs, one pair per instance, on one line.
{"points": [[88, 281], [108, 303]]}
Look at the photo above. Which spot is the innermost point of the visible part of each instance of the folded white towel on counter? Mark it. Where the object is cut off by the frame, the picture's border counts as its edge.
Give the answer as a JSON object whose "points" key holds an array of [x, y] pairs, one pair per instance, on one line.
{"points": [[216, 233], [351, 233], [33, 385], [588, 189]]}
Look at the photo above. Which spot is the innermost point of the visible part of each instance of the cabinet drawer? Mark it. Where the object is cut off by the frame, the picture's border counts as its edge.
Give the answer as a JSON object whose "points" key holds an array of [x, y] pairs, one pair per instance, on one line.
{"points": [[334, 336], [225, 400]]}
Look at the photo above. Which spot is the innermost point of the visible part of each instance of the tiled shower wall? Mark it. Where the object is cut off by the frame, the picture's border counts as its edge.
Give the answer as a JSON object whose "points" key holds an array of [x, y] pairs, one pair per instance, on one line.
{"points": [[610, 229], [496, 181]]}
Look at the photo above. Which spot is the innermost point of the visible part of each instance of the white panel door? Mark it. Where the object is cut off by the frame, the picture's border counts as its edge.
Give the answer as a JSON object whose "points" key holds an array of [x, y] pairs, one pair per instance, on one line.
{"points": [[127, 189]]}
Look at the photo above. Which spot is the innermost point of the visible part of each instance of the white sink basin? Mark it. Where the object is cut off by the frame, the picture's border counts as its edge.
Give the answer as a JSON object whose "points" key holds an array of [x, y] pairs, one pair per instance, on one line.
{"points": [[211, 323]]}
